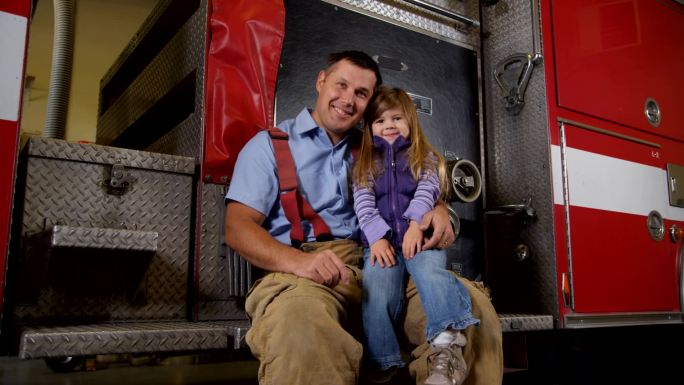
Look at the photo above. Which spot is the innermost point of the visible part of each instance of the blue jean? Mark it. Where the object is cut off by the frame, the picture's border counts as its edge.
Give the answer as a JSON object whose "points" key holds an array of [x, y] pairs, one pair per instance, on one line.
{"points": [[445, 301]]}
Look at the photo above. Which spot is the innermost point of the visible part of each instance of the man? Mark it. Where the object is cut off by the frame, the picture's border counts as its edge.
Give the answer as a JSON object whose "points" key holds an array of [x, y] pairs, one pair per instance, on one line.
{"points": [[305, 313]]}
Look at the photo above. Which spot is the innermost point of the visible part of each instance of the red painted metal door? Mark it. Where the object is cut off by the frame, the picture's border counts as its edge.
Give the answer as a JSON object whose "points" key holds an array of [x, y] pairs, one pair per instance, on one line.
{"points": [[610, 57], [613, 185], [13, 34], [614, 56]]}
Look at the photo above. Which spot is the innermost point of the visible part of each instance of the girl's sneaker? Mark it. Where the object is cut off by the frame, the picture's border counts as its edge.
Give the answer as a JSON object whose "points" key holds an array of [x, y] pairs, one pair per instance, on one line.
{"points": [[446, 363]]}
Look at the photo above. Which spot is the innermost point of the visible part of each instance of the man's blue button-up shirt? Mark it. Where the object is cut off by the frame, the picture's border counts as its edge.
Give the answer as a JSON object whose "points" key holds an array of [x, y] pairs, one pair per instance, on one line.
{"points": [[323, 171]]}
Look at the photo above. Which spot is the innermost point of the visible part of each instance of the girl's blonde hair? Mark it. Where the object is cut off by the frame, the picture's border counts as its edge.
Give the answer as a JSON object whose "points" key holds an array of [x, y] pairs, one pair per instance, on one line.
{"points": [[367, 168]]}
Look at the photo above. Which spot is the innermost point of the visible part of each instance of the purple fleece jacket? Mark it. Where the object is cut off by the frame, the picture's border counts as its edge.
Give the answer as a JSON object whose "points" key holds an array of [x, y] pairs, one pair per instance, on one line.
{"points": [[386, 207]]}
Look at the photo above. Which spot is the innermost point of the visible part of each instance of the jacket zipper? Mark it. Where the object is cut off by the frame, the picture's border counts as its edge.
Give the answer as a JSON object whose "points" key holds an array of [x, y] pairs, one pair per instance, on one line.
{"points": [[393, 192]]}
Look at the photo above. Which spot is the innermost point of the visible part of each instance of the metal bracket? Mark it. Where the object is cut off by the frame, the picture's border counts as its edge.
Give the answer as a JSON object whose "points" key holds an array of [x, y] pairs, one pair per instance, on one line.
{"points": [[512, 74], [675, 173]]}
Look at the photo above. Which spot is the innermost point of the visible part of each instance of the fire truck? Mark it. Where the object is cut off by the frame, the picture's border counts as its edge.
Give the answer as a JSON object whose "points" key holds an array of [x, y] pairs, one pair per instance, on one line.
{"points": [[558, 120]]}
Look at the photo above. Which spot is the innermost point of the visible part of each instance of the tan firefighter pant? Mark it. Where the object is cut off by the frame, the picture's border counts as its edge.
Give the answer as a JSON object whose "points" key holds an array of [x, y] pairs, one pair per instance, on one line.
{"points": [[304, 333]]}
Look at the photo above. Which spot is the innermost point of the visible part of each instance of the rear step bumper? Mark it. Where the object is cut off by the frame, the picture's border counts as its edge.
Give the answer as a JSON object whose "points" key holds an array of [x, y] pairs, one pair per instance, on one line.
{"points": [[525, 322], [151, 337], [130, 337]]}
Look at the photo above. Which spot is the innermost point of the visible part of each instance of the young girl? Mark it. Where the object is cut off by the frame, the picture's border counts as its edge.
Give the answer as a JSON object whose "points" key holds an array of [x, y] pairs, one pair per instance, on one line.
{"points": [[397, 178]]}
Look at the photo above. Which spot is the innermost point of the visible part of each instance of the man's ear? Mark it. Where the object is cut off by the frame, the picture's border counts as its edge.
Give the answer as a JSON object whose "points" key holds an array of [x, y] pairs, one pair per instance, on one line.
{"points": [[320, 80]]}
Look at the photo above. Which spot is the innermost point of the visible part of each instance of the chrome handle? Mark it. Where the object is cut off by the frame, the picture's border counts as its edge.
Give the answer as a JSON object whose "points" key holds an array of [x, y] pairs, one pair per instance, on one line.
{"points": [[676, 233], [524, 208], [652, 112], [445, 12]]}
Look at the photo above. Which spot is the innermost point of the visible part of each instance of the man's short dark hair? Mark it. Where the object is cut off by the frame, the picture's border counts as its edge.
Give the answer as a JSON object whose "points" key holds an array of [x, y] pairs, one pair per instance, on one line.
{"points": [[358, 58]]}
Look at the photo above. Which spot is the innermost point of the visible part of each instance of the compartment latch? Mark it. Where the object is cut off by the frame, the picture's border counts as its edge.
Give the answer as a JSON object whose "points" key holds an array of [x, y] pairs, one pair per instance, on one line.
{"points": [[119, 179]]}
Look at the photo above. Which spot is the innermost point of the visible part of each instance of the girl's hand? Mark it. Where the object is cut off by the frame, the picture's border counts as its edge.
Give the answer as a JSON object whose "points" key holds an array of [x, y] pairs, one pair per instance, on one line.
{"points": [[413, 240], [382, 252]]}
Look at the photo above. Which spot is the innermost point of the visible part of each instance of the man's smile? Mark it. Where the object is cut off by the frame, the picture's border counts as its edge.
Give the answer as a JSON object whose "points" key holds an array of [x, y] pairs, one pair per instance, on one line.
{"points": [[342, 111]]}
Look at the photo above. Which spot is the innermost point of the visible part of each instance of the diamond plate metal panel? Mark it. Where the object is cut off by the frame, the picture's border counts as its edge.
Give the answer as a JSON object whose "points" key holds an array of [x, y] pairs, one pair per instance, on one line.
{"points": [[92, 153], [417, 18], [151, 19], [227, 309], [182, 56], [223, 275], [518, 168], [184, 140], [71, 193], [126, 337], [213, 283], [98, 238], [525, 322]]}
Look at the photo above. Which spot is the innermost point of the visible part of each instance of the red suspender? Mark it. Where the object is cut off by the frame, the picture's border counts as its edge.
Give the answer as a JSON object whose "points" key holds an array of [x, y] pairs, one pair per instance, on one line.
{"points": [[294, 204]]}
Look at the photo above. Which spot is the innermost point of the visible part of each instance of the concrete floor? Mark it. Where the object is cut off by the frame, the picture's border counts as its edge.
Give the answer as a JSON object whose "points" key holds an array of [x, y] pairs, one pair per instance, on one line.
{"points": [[182, 370]]}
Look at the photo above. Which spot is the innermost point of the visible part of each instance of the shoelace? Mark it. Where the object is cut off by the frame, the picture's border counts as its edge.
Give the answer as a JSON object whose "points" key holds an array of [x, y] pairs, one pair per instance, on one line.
{"points": [[442, 359]]}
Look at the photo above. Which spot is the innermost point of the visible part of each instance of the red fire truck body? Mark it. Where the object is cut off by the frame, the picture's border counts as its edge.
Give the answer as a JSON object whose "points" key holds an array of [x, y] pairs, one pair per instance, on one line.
{"points": [[571, 204], [614, 164], [15, 31]]}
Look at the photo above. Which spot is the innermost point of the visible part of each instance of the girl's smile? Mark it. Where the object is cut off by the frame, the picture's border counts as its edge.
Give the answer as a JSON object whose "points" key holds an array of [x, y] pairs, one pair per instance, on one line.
{"points": [[391, 124]]}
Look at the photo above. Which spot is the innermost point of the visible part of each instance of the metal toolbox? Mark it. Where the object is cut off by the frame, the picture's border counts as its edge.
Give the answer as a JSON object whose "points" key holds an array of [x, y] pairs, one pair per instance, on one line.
{"points": [[105, 234]]}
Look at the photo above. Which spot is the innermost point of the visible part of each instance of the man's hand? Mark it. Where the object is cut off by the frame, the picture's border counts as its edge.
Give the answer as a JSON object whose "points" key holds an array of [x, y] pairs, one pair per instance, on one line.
{"points": [[244, 234], [442, 232], [382, 252], [413, 240], [323, 267]]}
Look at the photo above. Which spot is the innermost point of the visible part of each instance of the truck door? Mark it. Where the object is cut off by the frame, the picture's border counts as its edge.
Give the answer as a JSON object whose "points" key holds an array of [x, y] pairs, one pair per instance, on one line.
{"points": [[13, 33]]}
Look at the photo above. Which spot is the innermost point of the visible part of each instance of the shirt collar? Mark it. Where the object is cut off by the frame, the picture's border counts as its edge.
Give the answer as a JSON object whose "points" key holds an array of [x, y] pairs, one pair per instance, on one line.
{"points": [[305, 123]]}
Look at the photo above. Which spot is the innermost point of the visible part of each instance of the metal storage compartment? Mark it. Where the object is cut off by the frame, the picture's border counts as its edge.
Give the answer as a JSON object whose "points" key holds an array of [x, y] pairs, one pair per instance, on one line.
{"points": [[104, 260], [521, 255], [106, 234], [628, 53], [582, 158]]}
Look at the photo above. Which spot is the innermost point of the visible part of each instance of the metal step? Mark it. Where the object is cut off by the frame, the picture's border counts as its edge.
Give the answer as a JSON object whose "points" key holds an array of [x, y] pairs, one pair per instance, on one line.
{"points": [[525, 322], [130, 337], [150, 337], [99, 238]]}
